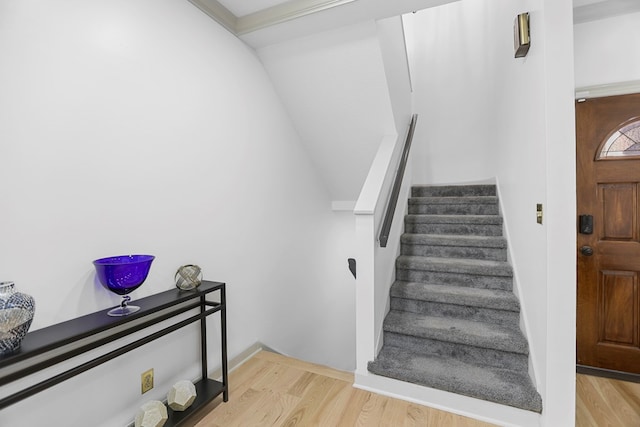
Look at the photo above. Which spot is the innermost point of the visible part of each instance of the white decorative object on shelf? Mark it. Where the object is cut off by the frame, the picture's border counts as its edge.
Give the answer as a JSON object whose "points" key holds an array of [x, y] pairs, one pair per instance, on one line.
{"points": [[181, 395], [152, 414]]}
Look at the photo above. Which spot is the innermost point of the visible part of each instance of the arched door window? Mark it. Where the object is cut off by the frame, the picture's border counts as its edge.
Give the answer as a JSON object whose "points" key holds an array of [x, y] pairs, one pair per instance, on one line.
{"points": [[622, 143]]}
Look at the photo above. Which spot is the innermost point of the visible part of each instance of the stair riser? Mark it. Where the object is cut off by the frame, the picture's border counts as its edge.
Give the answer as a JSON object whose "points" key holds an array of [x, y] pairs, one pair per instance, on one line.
{"points": [[480, 209], [496, 300], [454, 191], [456, 279], [494, 254], [439, 309], [456, 229], [464, 353]]}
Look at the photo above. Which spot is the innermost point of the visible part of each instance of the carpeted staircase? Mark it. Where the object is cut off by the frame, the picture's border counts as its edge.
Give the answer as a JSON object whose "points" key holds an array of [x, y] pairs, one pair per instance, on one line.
{"points": [[454, 320]]}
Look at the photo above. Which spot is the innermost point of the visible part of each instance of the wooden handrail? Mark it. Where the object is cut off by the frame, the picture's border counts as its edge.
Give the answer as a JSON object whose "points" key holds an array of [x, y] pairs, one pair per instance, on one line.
{"points": [[395, 191]]}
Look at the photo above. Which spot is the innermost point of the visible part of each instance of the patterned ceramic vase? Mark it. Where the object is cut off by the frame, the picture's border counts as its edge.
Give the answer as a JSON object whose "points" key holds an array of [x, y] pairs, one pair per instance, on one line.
{"points": [[16, 313]]}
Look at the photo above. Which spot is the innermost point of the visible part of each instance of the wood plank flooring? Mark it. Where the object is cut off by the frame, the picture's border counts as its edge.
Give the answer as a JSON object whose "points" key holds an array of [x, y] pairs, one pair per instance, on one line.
{"points": [[602, 402], [275, 390]]}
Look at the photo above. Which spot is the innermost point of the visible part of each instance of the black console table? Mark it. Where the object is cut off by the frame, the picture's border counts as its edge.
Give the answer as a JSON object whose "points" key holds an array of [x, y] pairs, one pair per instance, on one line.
{"points": [[49, 346]]}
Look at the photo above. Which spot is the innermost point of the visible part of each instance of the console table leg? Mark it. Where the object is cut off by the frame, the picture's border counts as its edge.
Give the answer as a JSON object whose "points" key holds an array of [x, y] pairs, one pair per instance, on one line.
{"points": [[223, 324], [203, 338]]}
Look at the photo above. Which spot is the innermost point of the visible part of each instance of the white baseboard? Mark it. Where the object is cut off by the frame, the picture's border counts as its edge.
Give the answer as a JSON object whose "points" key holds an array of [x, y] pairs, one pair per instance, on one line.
{"points": [[461, 405], [240, 359]]}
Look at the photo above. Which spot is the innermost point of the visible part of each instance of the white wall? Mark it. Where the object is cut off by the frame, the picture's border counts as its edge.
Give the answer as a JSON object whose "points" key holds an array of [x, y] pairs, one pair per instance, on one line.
{"points": [[333, 86], [314, 307], [449, 70], [560, 208], [517, 144], [376, 264], [485, 114], [606, 51], [144, 127], [391, 38]]}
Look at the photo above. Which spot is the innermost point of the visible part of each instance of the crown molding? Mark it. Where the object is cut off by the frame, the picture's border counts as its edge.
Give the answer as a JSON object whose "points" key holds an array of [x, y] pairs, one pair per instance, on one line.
{"points": [[267, 17], [299, 8], [598, 91], [219, 13], [284, 12]]}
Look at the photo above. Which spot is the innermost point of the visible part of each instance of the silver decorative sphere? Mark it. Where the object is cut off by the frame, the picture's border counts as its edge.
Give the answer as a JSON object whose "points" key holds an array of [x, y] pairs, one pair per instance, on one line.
{"points": [[188, 277]]}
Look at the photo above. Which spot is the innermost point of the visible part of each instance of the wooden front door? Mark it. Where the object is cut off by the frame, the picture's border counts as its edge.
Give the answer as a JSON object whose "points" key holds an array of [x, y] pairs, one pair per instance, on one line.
{"points": [[608, 189]]}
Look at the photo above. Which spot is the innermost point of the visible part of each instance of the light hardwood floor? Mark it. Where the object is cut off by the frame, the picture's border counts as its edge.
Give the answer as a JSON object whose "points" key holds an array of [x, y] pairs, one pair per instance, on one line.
{"points": [[604, 402], [275, 390]]}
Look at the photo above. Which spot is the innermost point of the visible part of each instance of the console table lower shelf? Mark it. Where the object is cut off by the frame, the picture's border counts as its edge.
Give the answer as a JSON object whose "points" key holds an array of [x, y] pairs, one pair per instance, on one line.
{"points": [[206, 390]]}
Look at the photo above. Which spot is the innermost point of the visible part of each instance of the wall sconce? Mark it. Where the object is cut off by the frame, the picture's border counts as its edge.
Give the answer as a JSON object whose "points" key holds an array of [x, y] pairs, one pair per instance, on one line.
{"points": [[521, 37]]}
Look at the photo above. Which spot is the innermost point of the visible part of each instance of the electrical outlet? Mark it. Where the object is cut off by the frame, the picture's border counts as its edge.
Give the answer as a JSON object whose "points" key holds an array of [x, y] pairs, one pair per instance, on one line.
{"points": [[146, 381]]}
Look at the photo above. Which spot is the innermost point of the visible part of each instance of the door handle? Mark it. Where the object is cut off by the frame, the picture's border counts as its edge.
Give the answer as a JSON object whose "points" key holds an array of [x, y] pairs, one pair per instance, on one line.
{"points": [[586, 250]]}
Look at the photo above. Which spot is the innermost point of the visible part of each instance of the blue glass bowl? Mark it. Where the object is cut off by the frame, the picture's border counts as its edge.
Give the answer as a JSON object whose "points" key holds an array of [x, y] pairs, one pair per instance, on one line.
{"points": [[123, 274]]}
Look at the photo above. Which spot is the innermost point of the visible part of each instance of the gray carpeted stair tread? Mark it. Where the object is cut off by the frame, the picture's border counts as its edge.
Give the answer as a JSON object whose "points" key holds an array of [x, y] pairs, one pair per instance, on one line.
{"points": [[452, 190], [473, 209], [473, 333], [475, 273], [454, 246], [447, 310], [493, 384], [454, 240], [464, 353], [468, 205], [478, 267], [458, 295], [468, 200], [453, 219]]}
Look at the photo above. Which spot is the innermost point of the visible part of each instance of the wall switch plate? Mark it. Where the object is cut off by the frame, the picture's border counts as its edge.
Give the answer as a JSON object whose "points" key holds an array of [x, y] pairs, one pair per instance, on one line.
{"points": [[146, 381]]}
